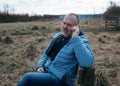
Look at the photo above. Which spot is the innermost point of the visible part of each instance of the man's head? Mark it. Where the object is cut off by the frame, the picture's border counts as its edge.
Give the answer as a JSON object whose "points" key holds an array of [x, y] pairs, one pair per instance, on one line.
{"points": [[69, 21]]}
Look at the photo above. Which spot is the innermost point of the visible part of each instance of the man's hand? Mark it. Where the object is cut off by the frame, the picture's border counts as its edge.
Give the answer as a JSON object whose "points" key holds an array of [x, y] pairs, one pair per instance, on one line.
{"points": [[41, 70], [75, 31]]}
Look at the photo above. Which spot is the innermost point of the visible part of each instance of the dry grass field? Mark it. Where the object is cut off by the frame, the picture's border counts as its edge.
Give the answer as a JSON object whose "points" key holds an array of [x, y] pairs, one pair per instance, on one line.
{"points": [[22, 43]]}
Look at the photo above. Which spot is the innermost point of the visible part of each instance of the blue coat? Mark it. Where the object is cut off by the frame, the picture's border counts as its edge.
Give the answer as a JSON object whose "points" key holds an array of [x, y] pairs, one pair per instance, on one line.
{"points": [[65, 66]]}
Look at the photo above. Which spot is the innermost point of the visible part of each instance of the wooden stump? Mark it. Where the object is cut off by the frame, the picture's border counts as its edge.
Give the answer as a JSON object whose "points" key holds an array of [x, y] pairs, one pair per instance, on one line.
{"points": [[87, 77]]}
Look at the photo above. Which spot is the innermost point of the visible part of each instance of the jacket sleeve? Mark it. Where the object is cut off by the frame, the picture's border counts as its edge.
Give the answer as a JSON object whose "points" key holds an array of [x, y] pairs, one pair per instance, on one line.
{"points": [[83, 51], [44, 57], [42, 61]]}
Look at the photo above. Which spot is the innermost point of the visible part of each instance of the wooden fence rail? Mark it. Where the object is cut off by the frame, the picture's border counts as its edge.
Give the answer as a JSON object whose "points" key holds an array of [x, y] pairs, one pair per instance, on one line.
{"points": [[112, 24]]}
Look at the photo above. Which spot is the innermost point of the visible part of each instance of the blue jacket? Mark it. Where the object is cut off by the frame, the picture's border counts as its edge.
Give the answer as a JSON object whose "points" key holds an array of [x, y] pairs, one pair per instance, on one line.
{"points": [[65, 66]]}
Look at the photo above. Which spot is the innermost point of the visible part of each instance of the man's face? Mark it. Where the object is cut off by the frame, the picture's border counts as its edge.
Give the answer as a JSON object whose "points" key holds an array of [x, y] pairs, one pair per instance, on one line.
{"points": [[68, 22]]}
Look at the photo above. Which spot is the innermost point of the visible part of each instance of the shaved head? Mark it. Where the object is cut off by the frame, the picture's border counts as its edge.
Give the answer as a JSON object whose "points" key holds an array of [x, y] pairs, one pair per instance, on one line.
{"points": [[73, 17]]}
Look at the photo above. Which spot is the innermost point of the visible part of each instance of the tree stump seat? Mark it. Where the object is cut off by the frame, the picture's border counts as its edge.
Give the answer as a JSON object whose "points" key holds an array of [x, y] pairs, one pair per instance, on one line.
{"points": [[86, 76]]}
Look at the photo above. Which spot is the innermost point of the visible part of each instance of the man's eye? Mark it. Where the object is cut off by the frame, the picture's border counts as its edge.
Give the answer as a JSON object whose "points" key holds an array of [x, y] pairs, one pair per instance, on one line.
{"points": [[69, 25]]}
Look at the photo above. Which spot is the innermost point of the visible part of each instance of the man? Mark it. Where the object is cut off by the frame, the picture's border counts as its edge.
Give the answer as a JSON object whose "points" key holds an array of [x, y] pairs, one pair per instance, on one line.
{"points": [[59, 63]]}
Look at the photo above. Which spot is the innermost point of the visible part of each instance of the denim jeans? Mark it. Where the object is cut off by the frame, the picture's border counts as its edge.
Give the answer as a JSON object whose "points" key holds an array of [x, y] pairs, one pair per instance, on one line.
{"points": [[39, 79]]}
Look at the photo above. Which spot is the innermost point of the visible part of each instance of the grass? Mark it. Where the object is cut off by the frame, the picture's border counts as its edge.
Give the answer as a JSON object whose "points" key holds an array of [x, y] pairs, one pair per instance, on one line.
{"points": [[14, 62], [2, 52], [100, 78]]}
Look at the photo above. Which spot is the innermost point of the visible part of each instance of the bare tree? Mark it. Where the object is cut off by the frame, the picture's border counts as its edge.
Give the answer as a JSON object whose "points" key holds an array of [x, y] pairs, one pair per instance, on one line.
{"points": [[112, 16], [113, 12], [6, 8]]}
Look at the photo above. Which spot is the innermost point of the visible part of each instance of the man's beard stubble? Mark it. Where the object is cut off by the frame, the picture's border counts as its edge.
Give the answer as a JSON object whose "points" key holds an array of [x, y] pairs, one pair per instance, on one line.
{"points": [[66, 32]]}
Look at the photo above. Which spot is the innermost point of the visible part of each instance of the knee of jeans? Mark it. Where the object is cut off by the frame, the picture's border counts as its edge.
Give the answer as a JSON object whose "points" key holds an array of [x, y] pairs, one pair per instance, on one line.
{"points": [[24, 80], [27, 76]]}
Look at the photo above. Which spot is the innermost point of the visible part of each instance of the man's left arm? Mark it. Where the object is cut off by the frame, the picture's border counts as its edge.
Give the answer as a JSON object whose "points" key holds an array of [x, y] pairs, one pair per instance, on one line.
{"points": [[83, 51], [82, 48]]}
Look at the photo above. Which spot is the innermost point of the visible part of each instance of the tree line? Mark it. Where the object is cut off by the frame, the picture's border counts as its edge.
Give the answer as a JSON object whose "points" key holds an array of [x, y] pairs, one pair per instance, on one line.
{"points": [[6, 17]]}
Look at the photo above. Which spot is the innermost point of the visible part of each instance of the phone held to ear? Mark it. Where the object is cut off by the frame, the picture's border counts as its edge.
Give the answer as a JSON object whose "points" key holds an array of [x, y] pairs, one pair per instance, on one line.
{"points": [[75, 31]]}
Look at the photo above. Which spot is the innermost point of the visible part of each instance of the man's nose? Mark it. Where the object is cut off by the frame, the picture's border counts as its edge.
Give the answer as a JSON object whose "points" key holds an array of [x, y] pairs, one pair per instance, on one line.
{"points": [[65, 25]]}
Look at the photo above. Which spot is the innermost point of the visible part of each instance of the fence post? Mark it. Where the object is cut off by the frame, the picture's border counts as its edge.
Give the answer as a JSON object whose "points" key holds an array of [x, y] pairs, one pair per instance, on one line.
{"points": [[87, 77]]}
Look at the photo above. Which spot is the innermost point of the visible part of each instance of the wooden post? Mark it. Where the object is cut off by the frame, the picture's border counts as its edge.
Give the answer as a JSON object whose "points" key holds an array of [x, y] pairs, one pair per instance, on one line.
{"points": [[87, 77]]}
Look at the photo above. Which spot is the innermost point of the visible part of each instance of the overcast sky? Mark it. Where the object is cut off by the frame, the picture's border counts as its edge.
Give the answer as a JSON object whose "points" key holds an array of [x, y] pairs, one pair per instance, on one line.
{"points": [[56, 6]]}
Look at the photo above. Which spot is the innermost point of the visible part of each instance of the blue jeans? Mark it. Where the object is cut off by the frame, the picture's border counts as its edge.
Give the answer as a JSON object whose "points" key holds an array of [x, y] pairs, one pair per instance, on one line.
{"points": [[40, 79]]}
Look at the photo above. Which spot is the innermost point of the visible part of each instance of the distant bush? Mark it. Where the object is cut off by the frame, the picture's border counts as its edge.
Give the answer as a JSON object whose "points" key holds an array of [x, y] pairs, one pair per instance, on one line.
{"points": [[35, 28], [43, 27], [11, 67], [57, 29], [8, 40], [3, 32], [47, 30], [31, 50], [40, 39], [2, 52], [112, 17], [113, 12], [102, 40]]}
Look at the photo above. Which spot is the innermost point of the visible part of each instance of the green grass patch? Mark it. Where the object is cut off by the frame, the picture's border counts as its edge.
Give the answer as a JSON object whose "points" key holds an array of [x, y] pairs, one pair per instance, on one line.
{"points": [[2, 52], [100, 78], [21, 33]]}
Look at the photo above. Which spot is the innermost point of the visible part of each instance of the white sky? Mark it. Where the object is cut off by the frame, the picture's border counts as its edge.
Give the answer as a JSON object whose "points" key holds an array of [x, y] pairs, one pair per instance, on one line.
{"points": [[56, 6]]}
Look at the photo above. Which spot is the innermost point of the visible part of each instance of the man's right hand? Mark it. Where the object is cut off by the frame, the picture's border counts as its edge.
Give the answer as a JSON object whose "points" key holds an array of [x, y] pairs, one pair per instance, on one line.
{"points": [[41, 70]]}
